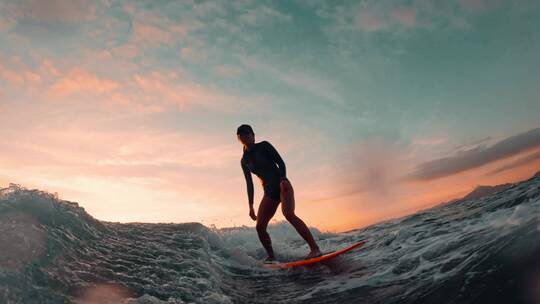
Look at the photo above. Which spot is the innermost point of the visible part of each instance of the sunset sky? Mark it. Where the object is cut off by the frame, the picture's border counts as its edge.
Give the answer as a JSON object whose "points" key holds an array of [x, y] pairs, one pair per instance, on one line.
{"points": [[379, 108]]}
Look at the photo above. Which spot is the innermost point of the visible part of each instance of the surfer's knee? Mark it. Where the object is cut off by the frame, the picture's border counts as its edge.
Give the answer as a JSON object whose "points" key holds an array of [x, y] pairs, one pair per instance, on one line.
{"points": [[289, 215], [261, 227]]}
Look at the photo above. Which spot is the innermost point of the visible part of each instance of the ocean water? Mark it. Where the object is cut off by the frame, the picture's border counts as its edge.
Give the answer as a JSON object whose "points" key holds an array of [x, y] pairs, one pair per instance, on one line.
{"points": [[470, 251]]}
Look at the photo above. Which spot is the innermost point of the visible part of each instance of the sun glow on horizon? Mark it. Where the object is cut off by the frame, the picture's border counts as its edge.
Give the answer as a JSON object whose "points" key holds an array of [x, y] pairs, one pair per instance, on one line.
{"points": [[131, 110]]}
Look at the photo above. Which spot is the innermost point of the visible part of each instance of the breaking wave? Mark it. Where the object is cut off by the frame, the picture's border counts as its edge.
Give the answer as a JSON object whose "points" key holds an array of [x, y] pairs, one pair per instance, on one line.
{"points": [[468, 251]]}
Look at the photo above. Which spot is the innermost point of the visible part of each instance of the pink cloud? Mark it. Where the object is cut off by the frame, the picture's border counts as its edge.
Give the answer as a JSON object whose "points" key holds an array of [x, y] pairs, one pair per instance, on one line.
{"points": [[7, 22], [228, 71], [429, 141], [143, 93], [48, 69], [177, 161], [128, 51], [369, 22], [479, 5], [405, 16], [18, 75], [154, 28], [11, 76], [304, 80], [372, 19], [120, 99], [391, 16], [56, 10], [477, 157], [177, 90], [475, 5], [80, 81], [192, 55], [145, 33]]}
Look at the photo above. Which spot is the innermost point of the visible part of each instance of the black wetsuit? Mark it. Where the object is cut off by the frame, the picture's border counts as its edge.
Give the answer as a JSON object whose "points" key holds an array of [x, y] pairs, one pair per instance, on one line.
{"points": [[264, 161]]}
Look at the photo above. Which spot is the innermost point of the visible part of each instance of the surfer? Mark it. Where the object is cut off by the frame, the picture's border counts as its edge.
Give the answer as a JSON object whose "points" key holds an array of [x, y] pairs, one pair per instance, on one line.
{"points": [[263, 160]]}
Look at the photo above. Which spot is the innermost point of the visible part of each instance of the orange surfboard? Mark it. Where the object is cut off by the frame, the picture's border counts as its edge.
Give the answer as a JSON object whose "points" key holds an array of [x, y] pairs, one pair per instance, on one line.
{"points": [[322, 258]]}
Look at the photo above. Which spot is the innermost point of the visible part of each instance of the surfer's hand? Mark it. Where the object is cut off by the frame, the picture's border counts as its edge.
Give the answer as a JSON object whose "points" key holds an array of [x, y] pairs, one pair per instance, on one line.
{"points": [[252, 214]]}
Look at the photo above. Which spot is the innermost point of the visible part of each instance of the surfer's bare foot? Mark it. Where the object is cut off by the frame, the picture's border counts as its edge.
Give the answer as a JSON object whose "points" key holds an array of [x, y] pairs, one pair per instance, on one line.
{"points": [[270, 260], [313, 254]]}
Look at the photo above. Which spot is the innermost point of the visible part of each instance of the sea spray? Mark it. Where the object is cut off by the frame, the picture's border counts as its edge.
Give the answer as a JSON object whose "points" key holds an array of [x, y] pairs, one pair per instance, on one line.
{"points": [[467, 251]]}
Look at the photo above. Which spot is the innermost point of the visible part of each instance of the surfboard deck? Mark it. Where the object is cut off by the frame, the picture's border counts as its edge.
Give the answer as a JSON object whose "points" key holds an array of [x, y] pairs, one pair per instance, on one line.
{"points": [[322, 258]]}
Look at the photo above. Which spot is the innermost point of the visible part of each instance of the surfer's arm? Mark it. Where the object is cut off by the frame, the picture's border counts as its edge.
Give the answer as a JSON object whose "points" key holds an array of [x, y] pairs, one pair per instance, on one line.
{"points": [[274, 155], [249, 183]]}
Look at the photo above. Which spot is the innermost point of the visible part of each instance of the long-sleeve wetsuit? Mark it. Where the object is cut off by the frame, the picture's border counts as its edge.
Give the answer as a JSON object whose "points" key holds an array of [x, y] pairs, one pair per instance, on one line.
{"points": [[263, 160]]}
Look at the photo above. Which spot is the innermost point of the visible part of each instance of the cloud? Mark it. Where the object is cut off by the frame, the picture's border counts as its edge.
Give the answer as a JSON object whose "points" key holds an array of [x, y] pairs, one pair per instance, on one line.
{"points": [[51, 11], [177, 161], [228, 71], [369, 22], [192, 55], [172, 89], [77, 148], [7, 20], [19, 75], [144, 33], [517, 163], [368, 167], [429, 141], [80, 81], [471, 145], [372, 17], [480, 5], [143, 92], [152, 28], [398, 17], [404, 15], [212, 8], [476, 157], [263, 15], [301, 80]]}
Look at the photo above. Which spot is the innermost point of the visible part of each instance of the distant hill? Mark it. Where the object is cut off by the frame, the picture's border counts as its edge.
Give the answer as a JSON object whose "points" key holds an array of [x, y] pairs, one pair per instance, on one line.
{"points": [[482, 191]]}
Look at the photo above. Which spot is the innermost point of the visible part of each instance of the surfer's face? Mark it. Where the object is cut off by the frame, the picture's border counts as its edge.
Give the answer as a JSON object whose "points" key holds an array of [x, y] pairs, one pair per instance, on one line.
{"points": [[246, 139]]}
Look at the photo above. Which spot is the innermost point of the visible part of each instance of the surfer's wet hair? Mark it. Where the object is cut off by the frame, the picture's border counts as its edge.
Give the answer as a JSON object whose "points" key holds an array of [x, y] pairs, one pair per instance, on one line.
{"points": [[244, 130]]}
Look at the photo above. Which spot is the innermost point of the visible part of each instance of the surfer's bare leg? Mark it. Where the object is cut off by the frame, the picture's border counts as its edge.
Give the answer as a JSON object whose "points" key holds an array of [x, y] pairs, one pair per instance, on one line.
{"points": [[287, 207], [267, 209]]}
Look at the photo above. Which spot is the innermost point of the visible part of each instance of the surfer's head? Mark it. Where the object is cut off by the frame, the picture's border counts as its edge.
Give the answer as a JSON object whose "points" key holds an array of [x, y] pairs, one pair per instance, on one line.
{"points": [[245, 135]]}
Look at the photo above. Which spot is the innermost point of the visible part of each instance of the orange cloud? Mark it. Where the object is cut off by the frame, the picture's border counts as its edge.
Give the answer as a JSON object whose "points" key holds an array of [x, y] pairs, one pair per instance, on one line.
{"points": [[173, 89], [112, 172], [476, 157], [367, 187], [48, 69], [525, 160], [145, 33], [80, 81], [157, 91], [349, 212], [19, 75], [152, 29], [193, 176]]}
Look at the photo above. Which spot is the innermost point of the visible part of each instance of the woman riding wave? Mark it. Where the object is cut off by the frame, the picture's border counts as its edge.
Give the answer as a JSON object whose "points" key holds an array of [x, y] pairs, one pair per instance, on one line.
{"points": [[263, 160]]}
